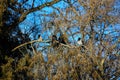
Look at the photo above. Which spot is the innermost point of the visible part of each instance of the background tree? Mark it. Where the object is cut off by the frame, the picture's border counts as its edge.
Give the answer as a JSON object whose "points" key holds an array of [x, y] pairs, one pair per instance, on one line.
{"points": [[11, 15], [93, 21]]}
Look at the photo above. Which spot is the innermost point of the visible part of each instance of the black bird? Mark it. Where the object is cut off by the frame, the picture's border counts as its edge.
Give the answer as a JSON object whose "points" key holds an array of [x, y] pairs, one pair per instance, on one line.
{"points": [[39, 38], [62, 39], [55, 42], [79, 42]]}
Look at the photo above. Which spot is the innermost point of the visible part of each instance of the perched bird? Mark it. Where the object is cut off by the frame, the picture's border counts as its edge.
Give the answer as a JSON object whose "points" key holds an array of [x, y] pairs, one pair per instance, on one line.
{"points": [[63, 39], [39, 38], [55, 42], [54, 38], [79, 42]]}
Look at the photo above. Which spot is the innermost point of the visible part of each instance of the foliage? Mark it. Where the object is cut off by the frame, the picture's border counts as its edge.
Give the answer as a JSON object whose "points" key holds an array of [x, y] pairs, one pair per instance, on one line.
{"points": [[97, 59], [72, 64]]}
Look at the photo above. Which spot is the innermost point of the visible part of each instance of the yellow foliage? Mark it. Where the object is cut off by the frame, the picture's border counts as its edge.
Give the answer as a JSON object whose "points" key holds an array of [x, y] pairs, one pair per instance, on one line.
{"points": [[66, 62]]}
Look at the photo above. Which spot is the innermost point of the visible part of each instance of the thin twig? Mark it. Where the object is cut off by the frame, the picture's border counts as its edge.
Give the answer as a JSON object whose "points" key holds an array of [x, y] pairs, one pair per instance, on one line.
{"points": [[29, 43]]}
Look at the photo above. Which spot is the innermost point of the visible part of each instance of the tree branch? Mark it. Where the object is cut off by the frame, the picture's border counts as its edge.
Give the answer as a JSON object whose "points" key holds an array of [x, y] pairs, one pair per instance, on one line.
{"points": [[29, 43], [24, 14]]}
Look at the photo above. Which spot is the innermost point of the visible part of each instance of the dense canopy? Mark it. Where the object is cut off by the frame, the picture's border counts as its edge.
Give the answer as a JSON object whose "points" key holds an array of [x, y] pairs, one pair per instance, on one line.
{"points": [[39, 39]]}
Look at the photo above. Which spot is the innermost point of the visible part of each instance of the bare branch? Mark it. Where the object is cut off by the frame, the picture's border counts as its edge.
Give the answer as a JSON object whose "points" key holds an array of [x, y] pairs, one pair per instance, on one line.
{"points": [[24, 14], [29, 43]]}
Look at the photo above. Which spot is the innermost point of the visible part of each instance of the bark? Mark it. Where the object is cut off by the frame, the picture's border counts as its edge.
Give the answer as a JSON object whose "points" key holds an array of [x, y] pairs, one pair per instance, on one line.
{"points": [[2, 9]]}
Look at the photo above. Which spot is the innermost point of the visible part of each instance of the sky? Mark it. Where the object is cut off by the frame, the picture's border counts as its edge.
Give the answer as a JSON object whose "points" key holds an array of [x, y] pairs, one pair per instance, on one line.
{"points": [[29, 21], [35, 18]]}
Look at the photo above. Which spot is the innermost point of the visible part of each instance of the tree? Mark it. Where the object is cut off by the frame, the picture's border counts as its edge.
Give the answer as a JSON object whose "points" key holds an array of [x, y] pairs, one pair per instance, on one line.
{"points": [[11, 15], [94, 22]]}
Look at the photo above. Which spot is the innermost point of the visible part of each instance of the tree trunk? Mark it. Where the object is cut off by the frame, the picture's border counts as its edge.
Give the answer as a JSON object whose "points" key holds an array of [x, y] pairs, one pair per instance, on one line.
{"points": [[2, 7]]}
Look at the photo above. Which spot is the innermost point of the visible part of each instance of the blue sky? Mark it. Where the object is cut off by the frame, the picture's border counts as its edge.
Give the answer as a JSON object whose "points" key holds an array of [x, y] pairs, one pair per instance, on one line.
{"points": [[29, 21]]}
